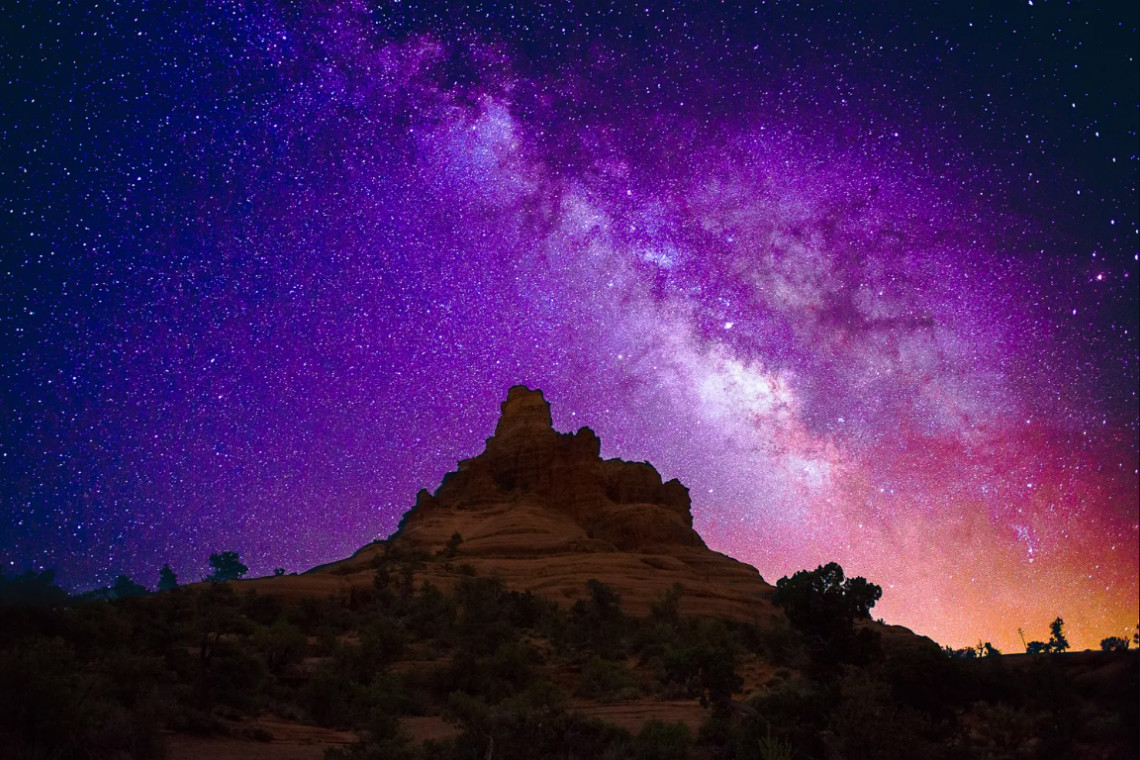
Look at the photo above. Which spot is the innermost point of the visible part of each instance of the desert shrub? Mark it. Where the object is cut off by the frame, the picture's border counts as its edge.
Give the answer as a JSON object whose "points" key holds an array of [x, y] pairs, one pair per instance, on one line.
{"points": [[314, 615], [928, 679], [1114, 644], [483, 620], [663, 741], [379, 643], [161, 622], [744, 736], [527, 726], [329, 700], [795, 712], [190, 720], [431, 613], [703, 662], [260, 608], [233, 677], [529, 612], [125, 588], [53, 704], [134, 679], [778, 643], [1002, 729], [281, 645], [607, 680], [774, 748], [97, 628], [867, 723], [1049, 694], [597, 624], [507, 672], [396, 747], [43, 710], [123, 732], [650, 638], [451, 548]]}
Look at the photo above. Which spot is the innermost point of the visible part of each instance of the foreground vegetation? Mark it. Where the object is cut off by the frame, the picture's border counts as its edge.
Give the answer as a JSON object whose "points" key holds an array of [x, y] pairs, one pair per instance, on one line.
{"points": [[105, 678]]}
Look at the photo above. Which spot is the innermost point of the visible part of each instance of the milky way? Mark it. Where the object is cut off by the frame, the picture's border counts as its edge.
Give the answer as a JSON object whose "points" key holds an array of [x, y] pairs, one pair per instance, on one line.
{"points": [[863, 277]]}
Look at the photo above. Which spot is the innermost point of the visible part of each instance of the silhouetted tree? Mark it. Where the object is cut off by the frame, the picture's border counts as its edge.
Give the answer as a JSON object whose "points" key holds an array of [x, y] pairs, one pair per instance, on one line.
{"points": [[278, 572], [818, 600], [227, 567], [1114, 644], [1057, 641], [965, 653], [825, 605], [125, 588], [167, 580]]}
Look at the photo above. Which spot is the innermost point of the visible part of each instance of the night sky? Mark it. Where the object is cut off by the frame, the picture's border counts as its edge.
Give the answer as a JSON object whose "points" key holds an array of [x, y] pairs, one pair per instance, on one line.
{"points": [[862, 275]]}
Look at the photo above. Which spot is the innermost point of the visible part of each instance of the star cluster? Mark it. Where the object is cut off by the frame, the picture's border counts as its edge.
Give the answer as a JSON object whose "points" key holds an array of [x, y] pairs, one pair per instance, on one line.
{"points": [[862, 275]]}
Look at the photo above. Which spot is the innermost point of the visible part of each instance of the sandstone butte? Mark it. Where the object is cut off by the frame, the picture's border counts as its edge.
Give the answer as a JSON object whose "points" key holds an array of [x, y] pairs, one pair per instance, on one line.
{"points": [[545, 512]]}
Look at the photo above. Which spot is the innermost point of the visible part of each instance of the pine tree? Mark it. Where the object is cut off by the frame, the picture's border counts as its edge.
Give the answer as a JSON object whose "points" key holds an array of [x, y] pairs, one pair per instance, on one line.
{"points": [[227, 567], [167, 580]]}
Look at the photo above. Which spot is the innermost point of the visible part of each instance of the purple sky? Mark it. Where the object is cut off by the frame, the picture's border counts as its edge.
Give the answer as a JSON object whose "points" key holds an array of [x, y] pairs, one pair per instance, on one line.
{"points": [[864, 279]]}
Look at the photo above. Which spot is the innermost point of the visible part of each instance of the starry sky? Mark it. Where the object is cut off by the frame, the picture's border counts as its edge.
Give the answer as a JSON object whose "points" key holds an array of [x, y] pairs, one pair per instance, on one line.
{"points": [[863, 275]]}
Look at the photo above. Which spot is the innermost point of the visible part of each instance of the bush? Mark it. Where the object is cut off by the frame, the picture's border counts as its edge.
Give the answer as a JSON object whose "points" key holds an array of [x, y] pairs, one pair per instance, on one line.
{"points": [[606, 680], [281, 645], [663, 741], [54, 705], [329, 700], [1114, 644], [597, 624], [227, 567], [43, 710], [531, 725], [706, 669]]}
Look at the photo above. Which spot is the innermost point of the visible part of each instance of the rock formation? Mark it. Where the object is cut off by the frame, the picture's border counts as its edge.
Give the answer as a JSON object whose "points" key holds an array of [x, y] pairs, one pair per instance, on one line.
{"points": [[544, 511], [557, 492]]}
